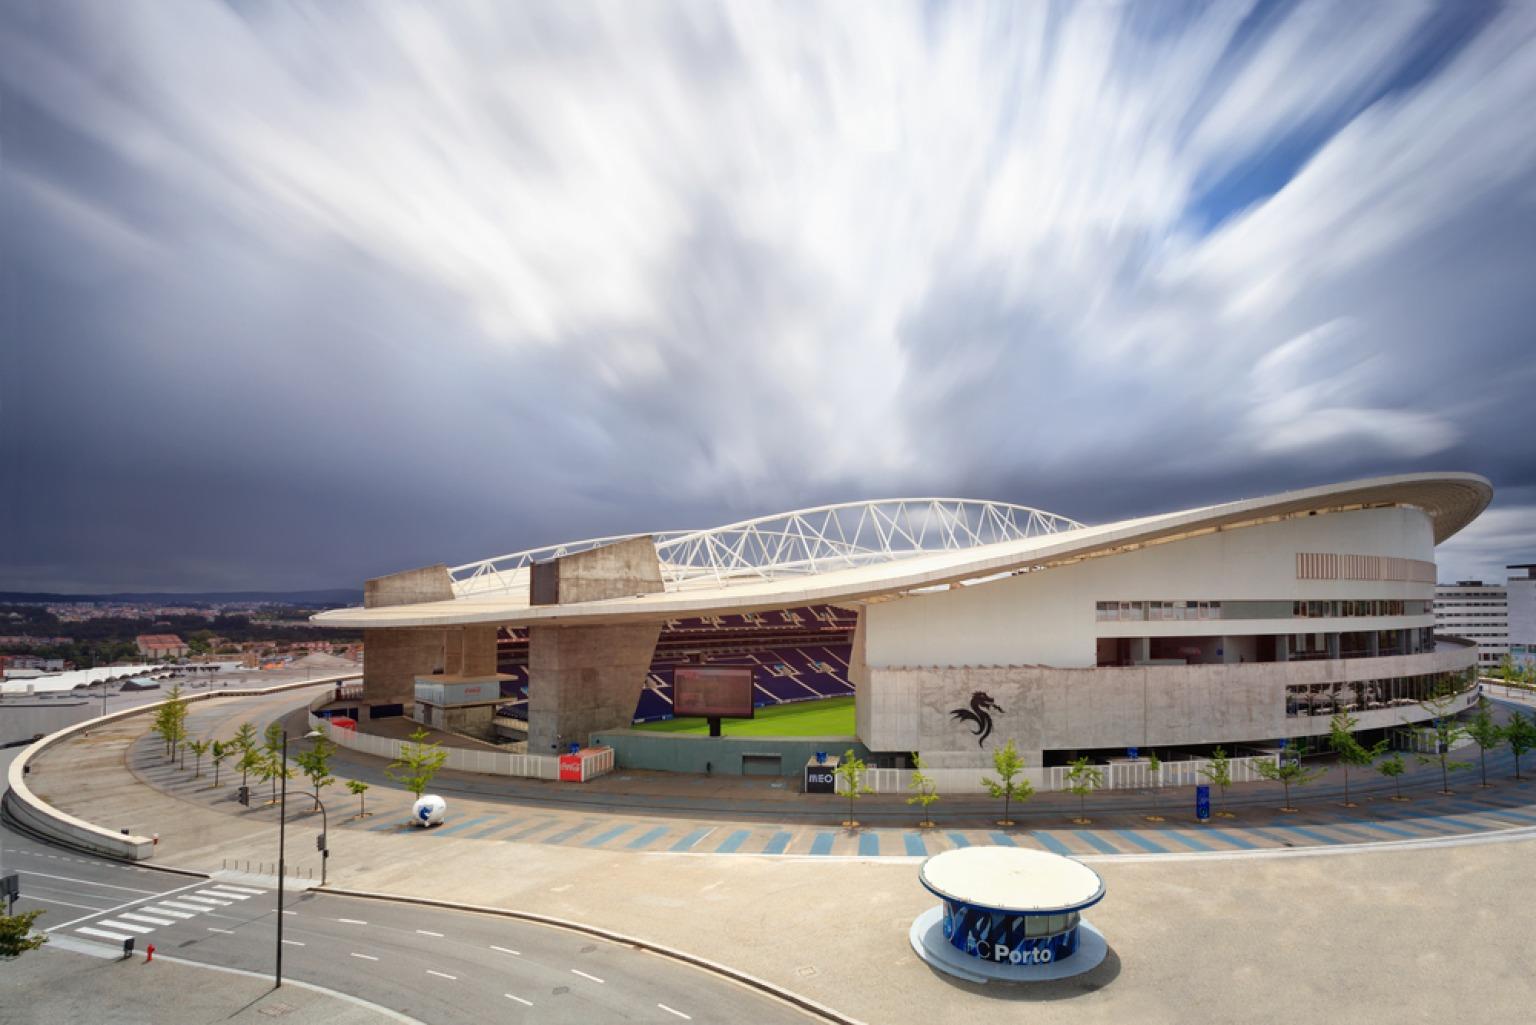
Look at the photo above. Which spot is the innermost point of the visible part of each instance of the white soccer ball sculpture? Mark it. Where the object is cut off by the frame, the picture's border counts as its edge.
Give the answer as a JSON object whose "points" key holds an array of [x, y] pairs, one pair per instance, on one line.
{"points": [[428, 810]]}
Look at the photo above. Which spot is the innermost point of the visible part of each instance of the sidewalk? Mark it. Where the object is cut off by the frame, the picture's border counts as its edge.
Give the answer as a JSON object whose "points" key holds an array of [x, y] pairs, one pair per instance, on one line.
{"points": [[835, 929]]}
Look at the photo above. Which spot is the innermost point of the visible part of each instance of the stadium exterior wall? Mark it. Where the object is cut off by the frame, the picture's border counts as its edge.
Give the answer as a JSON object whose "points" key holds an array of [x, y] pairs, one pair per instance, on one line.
{"points": [[1029, 642]]}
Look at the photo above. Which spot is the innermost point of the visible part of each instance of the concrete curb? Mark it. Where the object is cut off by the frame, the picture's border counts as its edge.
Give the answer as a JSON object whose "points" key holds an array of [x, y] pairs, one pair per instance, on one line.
{"points": [[726, 971], [48, 823]]}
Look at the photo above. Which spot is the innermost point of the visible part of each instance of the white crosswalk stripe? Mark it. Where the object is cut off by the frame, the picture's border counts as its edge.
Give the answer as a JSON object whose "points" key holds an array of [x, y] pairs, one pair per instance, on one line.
{"points": [[87, 930], [194, 908], [241, 889], [156, 909], [220, 892], [147, 919], [112, 923], [205, 900]]}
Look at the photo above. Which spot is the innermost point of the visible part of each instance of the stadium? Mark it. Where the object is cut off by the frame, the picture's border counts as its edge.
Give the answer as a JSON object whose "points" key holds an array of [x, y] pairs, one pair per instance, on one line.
{"points": [[953, 626]]}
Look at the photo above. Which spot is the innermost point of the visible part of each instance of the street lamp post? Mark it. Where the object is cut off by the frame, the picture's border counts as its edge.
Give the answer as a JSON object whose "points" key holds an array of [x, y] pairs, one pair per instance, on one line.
{"points": [[282, 838]]}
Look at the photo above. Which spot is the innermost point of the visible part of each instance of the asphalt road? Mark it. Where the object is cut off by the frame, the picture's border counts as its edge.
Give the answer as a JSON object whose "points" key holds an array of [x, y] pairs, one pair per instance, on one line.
{"points": [[432, 965]]}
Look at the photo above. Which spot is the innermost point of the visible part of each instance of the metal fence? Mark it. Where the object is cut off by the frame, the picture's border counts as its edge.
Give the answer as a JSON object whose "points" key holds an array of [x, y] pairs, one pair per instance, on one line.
{"points": [[495, 763], [1117, 776]]}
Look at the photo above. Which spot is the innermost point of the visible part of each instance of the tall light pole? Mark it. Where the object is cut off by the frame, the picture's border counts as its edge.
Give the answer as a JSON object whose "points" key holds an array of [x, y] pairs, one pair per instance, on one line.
{"points": [[282, 844]]}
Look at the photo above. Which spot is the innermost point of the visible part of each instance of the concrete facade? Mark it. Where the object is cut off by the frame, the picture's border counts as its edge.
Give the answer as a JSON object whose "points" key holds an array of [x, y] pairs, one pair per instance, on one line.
{"points": [[1029, 643], [392, 659], [586, 678]]}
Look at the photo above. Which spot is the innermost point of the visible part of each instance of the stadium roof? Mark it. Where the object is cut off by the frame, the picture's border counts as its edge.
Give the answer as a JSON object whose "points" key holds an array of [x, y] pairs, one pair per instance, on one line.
{"points": [[866, 551]]}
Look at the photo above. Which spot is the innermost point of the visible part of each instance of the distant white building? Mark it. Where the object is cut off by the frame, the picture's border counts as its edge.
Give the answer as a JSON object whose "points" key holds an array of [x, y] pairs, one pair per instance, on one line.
{"points": [[1521, 590], [1477, 611]]}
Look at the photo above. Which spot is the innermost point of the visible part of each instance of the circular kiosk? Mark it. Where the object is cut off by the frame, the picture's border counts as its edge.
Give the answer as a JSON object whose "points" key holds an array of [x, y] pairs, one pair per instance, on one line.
{"points": [[1008, 913]]}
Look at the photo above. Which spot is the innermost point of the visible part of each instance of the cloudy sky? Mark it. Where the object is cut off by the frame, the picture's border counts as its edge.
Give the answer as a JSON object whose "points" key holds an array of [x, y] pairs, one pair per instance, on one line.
{"points": [[295, 295]]}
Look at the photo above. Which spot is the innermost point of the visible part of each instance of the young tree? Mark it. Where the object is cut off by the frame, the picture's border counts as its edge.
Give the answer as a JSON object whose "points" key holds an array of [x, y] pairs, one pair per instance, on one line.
{"points": [[851, 770], [217, 752], [1155, 770], [176, 721], [927, 791], [418, 762], [16, 935], [1392, 767], [199, 748], [1521, 735], [270, 768], [244, 749], [163, 726], [315, 764], [1444, 732], [1009, 785], [1083, 779], [250, 762], [1341, 734], [1288, 771], [272, 737], [359, 788], [1486, 733], [1219, 772]]}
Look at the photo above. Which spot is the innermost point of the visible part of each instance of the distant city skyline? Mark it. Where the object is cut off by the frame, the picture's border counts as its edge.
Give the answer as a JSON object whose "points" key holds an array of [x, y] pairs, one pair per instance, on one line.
{"points": [[293, 298]]}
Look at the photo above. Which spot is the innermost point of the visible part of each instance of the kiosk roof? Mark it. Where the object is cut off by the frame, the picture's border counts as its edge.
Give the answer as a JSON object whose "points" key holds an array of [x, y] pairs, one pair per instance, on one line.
{"points": [[1012, 879]]}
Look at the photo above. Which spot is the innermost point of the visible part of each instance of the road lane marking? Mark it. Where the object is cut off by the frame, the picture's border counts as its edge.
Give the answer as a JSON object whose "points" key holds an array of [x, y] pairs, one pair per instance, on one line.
{"points": [[504, 950], [205, 900], [87, 930], [443, 975], [104, 886], [226, 932], [146, 918], [584, 975], [294, 913], [241, 889], [365, 957], [194, 908], [673, 1010], [293, 943], [112, 923], [64, 903], [429, 932], [215, 892], [157, 909], [352, 921], [525, 1003]]}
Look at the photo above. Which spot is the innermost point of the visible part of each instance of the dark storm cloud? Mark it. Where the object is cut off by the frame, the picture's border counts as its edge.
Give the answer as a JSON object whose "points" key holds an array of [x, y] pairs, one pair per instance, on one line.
{"points": [[297, 295]]}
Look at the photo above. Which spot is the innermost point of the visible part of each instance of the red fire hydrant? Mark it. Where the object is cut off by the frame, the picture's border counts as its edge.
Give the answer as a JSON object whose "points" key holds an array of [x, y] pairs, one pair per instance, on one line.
{"points": [[149, 954]]}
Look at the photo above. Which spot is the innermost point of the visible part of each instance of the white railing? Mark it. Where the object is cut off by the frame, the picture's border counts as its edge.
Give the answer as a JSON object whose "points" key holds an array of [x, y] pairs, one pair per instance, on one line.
{"points": [[494, 763], [1117, 776]]}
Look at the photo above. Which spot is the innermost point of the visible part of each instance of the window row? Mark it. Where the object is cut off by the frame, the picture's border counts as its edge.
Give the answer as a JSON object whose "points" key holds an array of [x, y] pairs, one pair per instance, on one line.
{"points": [[1190, 609], [1371, 695]]}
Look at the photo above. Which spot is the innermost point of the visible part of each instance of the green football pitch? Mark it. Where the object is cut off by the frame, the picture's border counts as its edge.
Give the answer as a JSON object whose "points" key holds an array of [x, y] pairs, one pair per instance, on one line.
{"points": [[832, 717]]}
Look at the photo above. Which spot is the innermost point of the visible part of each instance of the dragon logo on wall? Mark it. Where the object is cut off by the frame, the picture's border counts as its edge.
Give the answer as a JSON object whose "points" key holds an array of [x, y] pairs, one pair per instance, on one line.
{"points": [[979, 715]]}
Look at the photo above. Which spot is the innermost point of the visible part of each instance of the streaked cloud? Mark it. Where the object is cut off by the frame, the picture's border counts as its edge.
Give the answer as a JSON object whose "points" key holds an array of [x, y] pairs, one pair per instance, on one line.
{"points": [[330, 289]]}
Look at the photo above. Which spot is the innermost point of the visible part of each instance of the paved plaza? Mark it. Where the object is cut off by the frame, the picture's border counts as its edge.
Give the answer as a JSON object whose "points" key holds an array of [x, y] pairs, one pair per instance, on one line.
{"points": [[1257, 918]]}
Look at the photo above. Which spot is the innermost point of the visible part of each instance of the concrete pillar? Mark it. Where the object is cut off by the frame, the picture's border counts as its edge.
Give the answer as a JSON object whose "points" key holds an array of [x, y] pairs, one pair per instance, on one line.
{"points": [[1333, 646], [583, 679], [393, 658], [1373, 643], [1283, 648], [1141, 650]]}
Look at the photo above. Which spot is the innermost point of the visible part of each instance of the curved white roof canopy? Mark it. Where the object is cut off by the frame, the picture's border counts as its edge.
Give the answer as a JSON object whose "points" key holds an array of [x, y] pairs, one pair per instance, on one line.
{"points": [[744, 572], [1012, 879]]}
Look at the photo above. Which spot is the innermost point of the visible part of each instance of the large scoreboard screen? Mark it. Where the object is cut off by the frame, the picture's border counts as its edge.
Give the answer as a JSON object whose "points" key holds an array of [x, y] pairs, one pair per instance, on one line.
{"points": [[716, 692]]}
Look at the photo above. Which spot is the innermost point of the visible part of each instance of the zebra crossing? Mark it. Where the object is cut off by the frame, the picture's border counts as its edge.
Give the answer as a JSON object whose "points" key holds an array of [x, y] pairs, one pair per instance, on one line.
{"points": [[144, 917]]}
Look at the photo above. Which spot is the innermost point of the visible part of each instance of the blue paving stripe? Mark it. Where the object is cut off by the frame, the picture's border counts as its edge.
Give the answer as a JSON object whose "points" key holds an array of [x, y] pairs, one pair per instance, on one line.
{"points": [[1098, 842], [1387, 829], [566, 834], [1312, 834], [456, 826], [1141, 841], [822, 844], [777, 843], [1228, 836], [530, 830], [1002, 839], [1274, 838], [733, 842], [915, 845], [689, 839], [1050, 843], [958, 839], [1484, 809], [1188, 841], [391, 820], [498, 827], [647, 838], [1461, 824], [869, 845], [606, 835]]}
